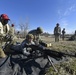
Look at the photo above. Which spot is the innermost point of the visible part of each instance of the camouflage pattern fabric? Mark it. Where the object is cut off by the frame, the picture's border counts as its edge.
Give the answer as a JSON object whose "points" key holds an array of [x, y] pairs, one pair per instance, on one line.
{"points": [[34, 32], [63, 34], [39, 30], [2, 54], [37, 37], [22, 47], [57, 38], [11, 31], [57, 33], [2, 35], [6, 31]]}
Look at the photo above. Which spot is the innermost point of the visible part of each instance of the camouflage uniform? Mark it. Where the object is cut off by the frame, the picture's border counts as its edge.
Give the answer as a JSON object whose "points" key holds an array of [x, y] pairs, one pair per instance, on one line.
{"points": [[11, 31], [75, 32], [57, 32], [18, 36], [36, 33], [28, 40], [63, 34], [4, 29], [22, 47], [75, 35], [12, 34]]}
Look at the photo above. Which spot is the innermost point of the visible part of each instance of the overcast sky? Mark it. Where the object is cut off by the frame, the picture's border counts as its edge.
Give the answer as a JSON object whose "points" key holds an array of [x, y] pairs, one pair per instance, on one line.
{"points": [[43, 13]]}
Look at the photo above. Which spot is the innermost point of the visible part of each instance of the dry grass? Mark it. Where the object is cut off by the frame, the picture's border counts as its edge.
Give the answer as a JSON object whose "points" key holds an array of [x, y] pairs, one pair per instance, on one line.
{"points": [[68, 67], [65, 68], [61, 45]]}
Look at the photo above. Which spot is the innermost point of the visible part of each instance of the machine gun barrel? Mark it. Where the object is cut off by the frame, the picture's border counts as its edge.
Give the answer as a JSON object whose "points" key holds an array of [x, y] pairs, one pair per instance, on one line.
{"points": [[51, 53], [57, 54]]}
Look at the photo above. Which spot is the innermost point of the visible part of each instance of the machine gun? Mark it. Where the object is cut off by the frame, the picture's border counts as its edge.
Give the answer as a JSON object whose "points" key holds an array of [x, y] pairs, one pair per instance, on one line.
{"points": [[40, 51], [51, 53]]}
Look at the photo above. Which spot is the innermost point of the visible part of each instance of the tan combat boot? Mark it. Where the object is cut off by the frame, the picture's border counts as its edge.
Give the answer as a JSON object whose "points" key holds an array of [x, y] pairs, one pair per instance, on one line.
{"points": [[2, 54]]}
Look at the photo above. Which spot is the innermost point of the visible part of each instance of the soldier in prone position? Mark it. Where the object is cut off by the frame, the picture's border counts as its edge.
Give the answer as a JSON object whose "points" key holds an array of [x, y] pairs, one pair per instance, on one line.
{"points": [[22, 47]]}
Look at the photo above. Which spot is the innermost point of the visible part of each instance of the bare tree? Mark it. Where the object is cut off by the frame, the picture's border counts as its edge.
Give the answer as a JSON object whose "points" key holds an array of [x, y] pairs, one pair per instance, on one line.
{"points": [[24, 28]]}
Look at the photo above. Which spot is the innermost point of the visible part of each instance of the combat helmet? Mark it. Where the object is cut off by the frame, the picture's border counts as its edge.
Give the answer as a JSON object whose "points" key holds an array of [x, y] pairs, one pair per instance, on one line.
{"points": [[57, 24], [39, 30], [29, 36]]}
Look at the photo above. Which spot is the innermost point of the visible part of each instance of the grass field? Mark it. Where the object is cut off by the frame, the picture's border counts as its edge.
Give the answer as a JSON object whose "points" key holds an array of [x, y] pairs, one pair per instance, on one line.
{"points": [[64, 68], [61, 45], [68, 67]]}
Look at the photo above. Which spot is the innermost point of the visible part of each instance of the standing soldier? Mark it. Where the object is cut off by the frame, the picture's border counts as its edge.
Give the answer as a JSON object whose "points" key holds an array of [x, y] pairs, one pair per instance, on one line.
{"points": [[75, 32], [57, 32], [12, 30], [36, 33], [63, 34], [75, 36], [18, 36], [4, 30], [12, 34]]}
